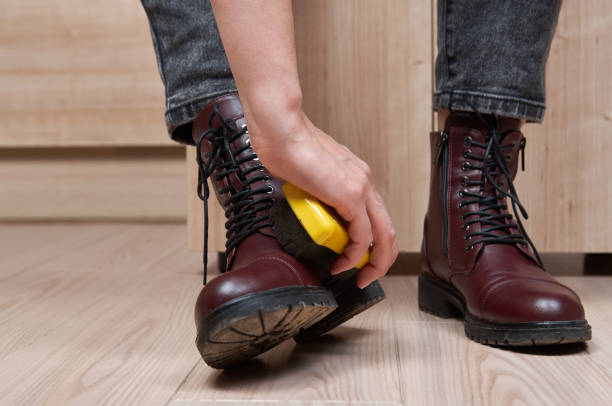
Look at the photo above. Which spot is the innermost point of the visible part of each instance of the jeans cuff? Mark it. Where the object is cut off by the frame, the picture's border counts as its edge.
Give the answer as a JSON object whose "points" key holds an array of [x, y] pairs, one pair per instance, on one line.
{"points": [[490, 103], [180, 116]]}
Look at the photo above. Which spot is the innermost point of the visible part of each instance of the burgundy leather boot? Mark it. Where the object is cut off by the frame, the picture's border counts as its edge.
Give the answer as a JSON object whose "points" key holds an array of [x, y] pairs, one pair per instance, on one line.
{"points": [[477, 261], [265, 296]]}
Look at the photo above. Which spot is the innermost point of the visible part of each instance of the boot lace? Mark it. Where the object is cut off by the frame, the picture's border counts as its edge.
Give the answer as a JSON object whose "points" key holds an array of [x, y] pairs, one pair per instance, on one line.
{"points": [[493, 164], [239, 206]]}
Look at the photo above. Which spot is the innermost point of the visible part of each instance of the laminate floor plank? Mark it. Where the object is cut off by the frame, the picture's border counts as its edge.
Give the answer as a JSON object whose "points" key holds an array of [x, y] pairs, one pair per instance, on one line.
{"points": [[357, 364], [110, 323], [103, 314]]}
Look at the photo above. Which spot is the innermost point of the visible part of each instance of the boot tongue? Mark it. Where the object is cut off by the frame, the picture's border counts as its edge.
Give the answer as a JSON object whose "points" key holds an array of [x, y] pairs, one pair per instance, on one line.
{"points": [[229, 108], [509, 138]]}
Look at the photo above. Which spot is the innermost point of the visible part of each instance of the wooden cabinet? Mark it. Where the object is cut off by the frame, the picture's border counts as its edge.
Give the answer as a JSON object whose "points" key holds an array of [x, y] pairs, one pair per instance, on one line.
{"points": [[82, 132]]}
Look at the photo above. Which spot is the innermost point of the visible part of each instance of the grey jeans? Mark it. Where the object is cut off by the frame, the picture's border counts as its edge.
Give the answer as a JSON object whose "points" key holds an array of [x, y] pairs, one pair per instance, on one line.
{"points": [[491, 57]]}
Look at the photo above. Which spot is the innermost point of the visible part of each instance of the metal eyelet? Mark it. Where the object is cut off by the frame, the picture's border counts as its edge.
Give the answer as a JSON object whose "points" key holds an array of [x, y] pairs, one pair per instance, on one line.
{"points": [[467, 237], [272, 189], [466, 153], [513, 144], [467, 141], [464, 181], [461, 193], [465, 166], [508, 157], [469, 248]]}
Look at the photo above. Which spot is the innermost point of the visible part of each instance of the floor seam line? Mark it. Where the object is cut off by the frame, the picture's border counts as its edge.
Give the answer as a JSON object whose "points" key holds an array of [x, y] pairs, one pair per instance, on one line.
{"points": [[183, 382]]}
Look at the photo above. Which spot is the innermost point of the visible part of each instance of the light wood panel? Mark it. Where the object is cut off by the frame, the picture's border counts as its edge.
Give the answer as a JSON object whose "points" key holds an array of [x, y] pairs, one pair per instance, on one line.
{"points": [[366, 73], [93, 183], [78, 74], [567, 188], [103, 314]]}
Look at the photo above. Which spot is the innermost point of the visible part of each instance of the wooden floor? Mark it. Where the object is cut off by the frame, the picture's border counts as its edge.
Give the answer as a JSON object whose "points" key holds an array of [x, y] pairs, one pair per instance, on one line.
{"points": [[102, 314]]}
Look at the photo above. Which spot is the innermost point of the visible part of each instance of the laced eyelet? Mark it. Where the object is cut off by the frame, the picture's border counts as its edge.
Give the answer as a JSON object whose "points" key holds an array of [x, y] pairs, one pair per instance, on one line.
{"points": [[465, 166], [461, 193], [467, 141], [466, 227], [466, 153], [508, 157], [464, 181], [467, 237], [272, 189], [469, 248]]}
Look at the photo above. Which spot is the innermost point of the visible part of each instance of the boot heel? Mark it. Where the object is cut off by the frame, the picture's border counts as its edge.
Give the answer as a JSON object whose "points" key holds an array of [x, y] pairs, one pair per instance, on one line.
{"points": [[436, 299], [351, 301]]}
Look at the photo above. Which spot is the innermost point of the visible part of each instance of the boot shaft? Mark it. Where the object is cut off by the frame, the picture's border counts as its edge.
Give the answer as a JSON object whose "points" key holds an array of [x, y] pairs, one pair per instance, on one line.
{"points": [[458, 184], [242, 185]]}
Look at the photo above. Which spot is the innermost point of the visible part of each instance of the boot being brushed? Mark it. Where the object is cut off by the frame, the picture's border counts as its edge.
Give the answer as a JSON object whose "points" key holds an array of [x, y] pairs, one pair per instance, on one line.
{"points": [[265, 295]]}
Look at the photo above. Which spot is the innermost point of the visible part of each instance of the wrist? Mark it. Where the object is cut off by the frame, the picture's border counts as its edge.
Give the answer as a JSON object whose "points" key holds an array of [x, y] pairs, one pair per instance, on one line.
{"points": [[273, 113]]}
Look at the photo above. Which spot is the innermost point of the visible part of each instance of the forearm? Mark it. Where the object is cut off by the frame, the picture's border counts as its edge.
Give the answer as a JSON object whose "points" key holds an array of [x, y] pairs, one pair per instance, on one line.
{"points": [[259, 41]]}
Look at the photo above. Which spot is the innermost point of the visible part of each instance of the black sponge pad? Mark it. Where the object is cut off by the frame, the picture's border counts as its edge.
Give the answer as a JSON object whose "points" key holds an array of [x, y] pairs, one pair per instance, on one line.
{"points": [[296, 241]]}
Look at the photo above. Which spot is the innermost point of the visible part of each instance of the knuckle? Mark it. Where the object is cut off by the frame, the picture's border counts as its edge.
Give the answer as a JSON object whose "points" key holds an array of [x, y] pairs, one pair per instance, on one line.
{"points": [[357, 189], [392, 236], [367, 169]]}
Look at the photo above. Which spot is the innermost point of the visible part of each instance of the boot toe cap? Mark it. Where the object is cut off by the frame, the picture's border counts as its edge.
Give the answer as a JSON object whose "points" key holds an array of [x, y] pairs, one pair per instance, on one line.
{"points": [[521, 300], [265, 273]]}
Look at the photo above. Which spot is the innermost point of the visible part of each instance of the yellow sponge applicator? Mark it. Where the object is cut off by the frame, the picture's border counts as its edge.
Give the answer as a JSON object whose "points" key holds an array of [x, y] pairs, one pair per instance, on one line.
{"points": [[321, 223]]}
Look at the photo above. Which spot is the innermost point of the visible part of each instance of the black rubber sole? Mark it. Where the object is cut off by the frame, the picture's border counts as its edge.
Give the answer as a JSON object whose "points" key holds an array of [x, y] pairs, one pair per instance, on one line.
{"points": [[351, 301], [252, 324], [443, 300]]}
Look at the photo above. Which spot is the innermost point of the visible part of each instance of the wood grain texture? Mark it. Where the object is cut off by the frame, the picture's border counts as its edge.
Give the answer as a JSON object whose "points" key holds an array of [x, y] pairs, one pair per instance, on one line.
{"points": [[96, 315], [103, 314], [93, 183], [566, 188], [78, 74]]}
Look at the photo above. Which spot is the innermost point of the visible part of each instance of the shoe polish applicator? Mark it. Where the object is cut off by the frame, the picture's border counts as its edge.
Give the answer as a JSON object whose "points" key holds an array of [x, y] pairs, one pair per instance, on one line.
{"points": [[315, 234], [310, 230]]}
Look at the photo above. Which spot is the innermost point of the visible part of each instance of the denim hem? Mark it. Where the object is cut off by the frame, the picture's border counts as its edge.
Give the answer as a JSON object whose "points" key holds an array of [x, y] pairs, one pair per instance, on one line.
{"points": [[490, 103], [180, 116]]}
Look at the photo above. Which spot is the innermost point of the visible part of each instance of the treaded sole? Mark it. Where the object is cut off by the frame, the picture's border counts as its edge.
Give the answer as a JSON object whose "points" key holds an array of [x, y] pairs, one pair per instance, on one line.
{"points": [[439, 299], [252, 324], [351, 301]]}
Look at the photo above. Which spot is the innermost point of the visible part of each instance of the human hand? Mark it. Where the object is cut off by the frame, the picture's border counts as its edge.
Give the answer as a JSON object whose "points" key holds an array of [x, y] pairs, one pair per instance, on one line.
{"points": [[299, 152]]}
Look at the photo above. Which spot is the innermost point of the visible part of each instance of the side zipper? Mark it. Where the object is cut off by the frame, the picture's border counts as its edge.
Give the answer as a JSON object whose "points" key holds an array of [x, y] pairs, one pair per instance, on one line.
{"points": [[442, 154]]}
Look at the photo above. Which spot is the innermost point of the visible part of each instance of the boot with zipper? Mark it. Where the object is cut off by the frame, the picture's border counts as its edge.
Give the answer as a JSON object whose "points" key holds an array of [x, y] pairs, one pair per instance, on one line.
{"points": [[265, 295], [477, 261]]}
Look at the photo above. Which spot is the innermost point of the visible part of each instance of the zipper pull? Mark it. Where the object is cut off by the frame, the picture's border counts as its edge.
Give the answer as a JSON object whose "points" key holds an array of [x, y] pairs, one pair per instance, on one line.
{"points": [[443, 139], [522, 147]]}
